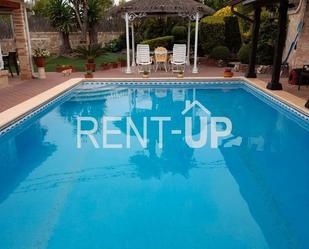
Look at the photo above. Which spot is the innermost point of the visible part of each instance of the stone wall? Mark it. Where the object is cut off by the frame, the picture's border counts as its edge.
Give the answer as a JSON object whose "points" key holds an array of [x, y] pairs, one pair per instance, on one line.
{"points": [[300, 56], [52, 40]]}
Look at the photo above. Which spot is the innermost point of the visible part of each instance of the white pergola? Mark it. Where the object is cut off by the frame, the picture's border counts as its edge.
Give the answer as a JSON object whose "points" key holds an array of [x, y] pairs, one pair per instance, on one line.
{"points": [[188, 9]]}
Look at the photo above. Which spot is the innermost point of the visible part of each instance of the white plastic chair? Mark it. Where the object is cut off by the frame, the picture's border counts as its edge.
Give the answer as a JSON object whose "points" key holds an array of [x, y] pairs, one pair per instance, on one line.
{"points": [[143, 58], [179, 57]]}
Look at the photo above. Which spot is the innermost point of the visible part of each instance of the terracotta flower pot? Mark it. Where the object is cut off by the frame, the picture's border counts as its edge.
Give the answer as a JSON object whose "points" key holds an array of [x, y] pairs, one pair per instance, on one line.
{"points": [[228, 73], [180, 75], [88, 76], [39, 61], [145, 76], [105, 66]]}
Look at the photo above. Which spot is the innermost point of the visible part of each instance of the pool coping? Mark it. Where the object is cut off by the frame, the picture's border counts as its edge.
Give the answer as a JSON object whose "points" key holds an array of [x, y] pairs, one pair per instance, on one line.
{"points": [[17, 112]]}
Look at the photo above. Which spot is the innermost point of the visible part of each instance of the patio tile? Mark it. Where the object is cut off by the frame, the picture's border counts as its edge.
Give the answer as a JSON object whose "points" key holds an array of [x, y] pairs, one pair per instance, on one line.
{"points": [[19, 91]]}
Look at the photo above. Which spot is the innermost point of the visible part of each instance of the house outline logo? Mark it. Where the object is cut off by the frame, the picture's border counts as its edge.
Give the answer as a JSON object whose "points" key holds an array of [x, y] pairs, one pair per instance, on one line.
{"points": [[195, 103]]}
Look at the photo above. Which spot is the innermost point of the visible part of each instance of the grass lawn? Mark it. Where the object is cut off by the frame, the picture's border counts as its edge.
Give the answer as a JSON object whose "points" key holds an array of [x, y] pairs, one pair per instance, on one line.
{"points": [[79, 64]]}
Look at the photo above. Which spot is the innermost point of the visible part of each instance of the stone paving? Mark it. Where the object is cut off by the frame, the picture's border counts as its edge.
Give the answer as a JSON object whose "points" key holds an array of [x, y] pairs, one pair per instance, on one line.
{"points": [[19, 91]]}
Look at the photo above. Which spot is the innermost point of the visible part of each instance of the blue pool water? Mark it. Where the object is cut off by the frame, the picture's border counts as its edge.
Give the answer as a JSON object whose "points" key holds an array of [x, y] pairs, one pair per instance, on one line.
{"points": [[251, 192]]}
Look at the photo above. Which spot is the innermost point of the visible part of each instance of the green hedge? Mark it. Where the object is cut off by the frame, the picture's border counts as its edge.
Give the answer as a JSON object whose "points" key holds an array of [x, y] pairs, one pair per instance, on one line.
{"points": [[212, 34], [179, 33], [219, 30], [232, 34], [165, 41]]}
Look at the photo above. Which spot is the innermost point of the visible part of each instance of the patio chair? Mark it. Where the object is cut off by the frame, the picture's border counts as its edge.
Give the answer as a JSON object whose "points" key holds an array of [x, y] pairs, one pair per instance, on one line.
{"points": [[178, 58], [161, 57], [11, 60], [143, 58]]}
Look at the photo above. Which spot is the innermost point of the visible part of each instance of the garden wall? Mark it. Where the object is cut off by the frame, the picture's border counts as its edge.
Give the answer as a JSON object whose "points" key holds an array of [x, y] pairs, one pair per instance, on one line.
{"points": [[300, 56], [52, 40]]}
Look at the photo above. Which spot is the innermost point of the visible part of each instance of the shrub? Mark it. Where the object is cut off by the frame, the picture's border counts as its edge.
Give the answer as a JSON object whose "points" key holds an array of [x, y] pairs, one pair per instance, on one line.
{"points": [[266, 46], [165, 41], [220, 53], [226, 11], [179, 33], [116, 45], [212, 33], [89, 52], [232, 33], [244, 53]]}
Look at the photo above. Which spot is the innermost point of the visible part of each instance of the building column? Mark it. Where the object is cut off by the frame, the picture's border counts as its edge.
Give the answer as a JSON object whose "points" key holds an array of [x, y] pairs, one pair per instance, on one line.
{"points": [[255, 37], [197, 17], [189, 43], [133, 46], [283, 20], [128, 71], [22, 46]]}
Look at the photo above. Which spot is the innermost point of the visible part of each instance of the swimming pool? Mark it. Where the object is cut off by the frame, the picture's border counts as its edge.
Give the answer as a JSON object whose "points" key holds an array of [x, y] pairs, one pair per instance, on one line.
{"points": [[252, 191]]}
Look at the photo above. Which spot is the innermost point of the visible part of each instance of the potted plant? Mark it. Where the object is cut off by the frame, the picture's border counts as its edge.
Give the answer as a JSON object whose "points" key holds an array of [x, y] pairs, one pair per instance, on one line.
{"points": [[105, 66], [88, 74], [180, 74], [115, 64], [39, 56], [90, 53], [146, 74]]}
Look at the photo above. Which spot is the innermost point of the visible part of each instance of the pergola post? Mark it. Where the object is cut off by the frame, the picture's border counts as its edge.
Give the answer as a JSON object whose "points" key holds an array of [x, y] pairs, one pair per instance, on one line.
{"points": [[128, 70], [283, 19], [255, 37], [189, 43], [133, 46], [197, 17]]}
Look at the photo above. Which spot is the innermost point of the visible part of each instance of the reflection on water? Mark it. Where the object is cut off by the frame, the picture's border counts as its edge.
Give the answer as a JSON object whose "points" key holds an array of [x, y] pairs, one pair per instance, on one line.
{"points": [[251, 192], [21, 154]]}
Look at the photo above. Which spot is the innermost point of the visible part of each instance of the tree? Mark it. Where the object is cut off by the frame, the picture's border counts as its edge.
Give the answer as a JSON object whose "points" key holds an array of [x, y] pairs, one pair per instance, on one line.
{"points": [[41, 8], [96, 9], [80, 8], [215, 4], [60, 16]]}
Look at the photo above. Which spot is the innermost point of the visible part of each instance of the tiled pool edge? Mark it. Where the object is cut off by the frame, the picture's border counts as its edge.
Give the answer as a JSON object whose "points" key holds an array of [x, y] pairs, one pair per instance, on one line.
{"points": [[21, 110], [286, 98]]}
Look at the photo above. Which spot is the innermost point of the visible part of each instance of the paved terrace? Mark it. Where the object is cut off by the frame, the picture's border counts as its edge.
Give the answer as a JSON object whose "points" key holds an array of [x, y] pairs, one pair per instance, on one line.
{"points": [[19, 91]]}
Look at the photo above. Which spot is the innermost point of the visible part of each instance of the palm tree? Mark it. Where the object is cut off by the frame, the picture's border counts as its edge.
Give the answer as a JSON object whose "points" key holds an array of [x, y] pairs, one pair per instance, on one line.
{"points": [[96, 9], [60, 15]]}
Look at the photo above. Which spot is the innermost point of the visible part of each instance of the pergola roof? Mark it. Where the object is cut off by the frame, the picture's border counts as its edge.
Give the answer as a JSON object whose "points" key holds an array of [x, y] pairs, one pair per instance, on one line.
{"points": [[159, 7]]}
